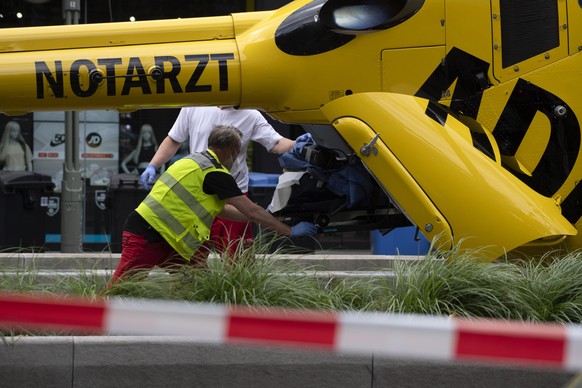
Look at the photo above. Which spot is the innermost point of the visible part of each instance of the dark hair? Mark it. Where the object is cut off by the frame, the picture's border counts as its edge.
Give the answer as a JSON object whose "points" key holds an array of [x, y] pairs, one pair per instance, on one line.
{"points": [[224, 136]]}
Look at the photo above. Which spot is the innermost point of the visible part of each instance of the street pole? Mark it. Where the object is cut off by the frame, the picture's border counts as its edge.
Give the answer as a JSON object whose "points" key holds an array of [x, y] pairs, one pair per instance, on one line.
{"points": [[72, 184]]}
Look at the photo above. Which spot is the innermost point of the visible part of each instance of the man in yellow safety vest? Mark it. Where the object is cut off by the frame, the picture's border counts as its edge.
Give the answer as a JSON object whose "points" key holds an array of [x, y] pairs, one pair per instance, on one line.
{"points": [[171, 226]]}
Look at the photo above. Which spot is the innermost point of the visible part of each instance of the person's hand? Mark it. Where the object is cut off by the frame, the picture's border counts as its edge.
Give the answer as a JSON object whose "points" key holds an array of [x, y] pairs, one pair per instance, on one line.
{"points": [[303, 228], [147, 177], [303, 138]]}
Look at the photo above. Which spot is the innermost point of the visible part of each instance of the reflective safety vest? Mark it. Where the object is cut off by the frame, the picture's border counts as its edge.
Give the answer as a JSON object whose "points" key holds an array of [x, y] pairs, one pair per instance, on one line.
{"points": [[177, 206]]}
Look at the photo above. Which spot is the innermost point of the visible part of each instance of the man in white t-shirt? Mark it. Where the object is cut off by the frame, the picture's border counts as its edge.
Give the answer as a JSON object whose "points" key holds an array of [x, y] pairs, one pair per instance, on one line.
{"points": [[196, 123]]}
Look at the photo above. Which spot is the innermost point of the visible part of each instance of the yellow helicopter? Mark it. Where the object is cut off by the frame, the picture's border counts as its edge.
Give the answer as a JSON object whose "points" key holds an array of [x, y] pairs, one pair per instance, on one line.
{"points": [[465, 112]]}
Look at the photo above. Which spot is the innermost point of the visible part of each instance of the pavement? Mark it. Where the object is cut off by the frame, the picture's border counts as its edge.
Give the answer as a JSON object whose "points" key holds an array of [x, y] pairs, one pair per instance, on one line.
{"points": [[348, 260], [179, 362]]}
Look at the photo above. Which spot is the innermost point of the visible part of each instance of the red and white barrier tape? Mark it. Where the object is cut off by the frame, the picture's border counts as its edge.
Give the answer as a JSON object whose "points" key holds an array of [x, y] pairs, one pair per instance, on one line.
{"points": [[403, 336]]}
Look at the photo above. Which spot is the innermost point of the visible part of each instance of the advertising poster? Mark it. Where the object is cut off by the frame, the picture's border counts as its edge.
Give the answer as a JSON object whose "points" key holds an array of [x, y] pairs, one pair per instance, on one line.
{"points": [[98, 145], [98, 161]]}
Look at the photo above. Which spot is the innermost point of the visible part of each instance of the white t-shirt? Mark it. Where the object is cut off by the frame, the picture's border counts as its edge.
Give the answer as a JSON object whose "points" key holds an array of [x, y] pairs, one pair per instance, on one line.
{"points": [[197, 122]]}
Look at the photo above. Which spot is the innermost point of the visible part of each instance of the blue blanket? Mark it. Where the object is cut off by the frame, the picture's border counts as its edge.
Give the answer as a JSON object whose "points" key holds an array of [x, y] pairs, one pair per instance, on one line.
{"points": [[351, 181]]}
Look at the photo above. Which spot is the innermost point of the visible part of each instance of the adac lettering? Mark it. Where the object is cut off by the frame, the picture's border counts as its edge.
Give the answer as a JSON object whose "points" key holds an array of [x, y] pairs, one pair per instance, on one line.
{"points": [[103, 73], [526, 100]]}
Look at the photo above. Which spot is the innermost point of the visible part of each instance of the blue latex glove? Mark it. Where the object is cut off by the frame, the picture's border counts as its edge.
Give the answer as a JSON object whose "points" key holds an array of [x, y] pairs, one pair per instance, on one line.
{"points": [[303, 228], [147, 177], [303, 138]]}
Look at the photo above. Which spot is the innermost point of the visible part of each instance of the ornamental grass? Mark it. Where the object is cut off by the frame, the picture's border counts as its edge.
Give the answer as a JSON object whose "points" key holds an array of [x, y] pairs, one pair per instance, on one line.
{"points": [[546, 289]]}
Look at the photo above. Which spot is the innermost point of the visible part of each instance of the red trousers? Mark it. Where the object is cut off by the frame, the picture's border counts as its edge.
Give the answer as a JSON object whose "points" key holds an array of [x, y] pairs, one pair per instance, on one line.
{"points": [[227, 234], [138, 254]]}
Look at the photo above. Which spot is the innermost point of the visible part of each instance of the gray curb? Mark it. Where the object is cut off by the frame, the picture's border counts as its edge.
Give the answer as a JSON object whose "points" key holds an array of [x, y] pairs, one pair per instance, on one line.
{"points": [[78, 361], [104, 261]]}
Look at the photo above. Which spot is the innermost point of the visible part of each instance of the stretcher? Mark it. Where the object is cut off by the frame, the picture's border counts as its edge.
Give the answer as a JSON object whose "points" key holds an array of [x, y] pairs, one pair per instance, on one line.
{"points": [[331, 216], [303, 195]]}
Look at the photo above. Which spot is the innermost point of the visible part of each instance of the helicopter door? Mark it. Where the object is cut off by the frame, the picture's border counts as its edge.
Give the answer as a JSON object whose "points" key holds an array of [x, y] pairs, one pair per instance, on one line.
{"points": [[444, 175]]}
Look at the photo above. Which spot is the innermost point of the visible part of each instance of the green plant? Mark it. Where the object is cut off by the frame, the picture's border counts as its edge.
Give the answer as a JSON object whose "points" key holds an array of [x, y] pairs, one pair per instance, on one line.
{"points": [[250, 276], [553, 285], [458, 284]]}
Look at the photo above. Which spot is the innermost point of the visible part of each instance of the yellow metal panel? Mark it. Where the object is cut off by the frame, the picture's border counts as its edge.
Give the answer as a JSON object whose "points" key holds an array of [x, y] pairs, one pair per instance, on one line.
{"points": [[557, 78], [330, 74], [115, 34], [37, 84], [574, 26], [425, 28], [477, 201], [288, 86], [403, 189], [246, 20], [534, 144], [468, 26], [536, 62], [398, 76]]}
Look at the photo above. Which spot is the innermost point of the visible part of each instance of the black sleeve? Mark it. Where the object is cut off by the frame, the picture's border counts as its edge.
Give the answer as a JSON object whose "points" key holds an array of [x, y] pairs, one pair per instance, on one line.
{"points": [[220, 184]]}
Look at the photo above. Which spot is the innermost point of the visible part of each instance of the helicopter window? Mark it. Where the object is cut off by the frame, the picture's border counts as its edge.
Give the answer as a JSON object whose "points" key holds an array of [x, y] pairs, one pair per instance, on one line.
{"points": [[302, 33], [528, 28], [325, 25], [351, 16]]}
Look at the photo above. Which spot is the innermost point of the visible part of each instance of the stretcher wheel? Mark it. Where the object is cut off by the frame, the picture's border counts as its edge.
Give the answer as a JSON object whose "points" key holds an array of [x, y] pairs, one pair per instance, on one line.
{"points": [[322, 219]]}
